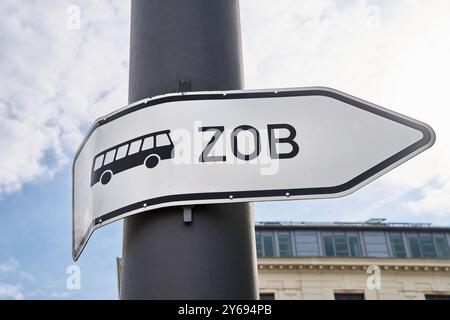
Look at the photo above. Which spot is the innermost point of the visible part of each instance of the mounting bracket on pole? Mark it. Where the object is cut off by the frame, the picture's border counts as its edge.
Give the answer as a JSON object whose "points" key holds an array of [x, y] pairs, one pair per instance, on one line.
{"points": [[187, 214]]}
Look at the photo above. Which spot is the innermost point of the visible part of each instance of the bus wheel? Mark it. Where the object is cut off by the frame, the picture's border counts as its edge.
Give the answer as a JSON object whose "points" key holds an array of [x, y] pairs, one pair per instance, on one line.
{"points": [[106, 177], [152, 161]]}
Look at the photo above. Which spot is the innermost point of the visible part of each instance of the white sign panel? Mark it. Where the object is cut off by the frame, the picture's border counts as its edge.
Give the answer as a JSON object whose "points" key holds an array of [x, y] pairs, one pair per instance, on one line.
{"points": [[237, 146]]}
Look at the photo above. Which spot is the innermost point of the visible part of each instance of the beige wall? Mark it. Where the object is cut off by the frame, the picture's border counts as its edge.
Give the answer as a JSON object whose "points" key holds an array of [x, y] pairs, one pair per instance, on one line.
{"points": [[321, 277]]}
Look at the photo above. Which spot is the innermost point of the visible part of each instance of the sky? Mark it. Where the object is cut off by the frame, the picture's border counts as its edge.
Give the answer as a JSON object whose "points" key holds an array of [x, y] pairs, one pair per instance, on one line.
{"points": [[59, 73]]}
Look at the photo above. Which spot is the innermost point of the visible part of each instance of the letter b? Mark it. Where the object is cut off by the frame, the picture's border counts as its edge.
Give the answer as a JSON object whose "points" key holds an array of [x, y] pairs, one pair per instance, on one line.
{"points": [[290, 140]]}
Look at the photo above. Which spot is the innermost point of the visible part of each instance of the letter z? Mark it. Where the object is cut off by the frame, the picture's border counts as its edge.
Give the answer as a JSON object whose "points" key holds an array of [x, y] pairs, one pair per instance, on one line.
{"points": [[205, 157]]}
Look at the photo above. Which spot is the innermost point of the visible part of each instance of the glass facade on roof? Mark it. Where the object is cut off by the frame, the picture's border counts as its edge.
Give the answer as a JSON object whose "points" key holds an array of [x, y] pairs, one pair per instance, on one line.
{"points": [[304, 242]]}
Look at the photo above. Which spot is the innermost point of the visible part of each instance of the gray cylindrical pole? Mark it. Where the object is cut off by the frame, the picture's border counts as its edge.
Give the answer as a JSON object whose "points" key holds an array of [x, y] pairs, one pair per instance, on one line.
{"points": [[179, 45]]}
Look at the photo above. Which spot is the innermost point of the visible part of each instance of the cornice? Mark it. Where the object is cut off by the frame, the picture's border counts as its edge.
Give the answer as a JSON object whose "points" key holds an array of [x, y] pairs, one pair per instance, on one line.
{"points": [[331, 264]]}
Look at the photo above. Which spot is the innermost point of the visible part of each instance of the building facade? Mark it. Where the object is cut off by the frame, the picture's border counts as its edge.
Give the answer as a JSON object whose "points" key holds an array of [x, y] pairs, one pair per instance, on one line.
{"points": [[373, 260], [353, 261]]}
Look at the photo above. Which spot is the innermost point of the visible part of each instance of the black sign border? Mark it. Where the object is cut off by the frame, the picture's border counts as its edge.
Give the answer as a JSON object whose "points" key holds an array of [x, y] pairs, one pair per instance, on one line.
{"points": [[427, 139]]}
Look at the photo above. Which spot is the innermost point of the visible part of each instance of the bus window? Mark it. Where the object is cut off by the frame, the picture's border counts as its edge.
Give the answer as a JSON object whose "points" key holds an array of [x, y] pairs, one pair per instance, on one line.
{"points": [[110, 157], [163, 140], [98, 162], [149, 143], [135, 147], [122, 152]]}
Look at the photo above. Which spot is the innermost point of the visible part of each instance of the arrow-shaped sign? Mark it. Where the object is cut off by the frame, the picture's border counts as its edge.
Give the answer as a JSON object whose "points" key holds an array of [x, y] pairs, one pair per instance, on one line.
{"points": [[240, 146]]}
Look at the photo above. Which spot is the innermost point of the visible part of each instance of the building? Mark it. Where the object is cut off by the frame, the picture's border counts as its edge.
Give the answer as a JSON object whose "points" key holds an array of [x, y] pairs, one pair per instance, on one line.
{"points": [[373, 260]]}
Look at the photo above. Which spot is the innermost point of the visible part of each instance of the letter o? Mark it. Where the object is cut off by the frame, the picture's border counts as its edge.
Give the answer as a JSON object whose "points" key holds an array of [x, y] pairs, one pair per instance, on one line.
{"points": [[256, 137]]}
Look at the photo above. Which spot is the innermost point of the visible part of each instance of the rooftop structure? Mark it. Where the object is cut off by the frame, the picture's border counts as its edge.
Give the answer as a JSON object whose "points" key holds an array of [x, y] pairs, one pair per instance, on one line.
{"points": [[372, 238]]}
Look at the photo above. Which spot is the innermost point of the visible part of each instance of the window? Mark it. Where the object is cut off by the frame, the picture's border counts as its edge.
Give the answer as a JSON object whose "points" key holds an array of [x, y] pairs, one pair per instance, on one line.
{"points": [[135, 147], [397, 246], [376, 243], [121, 152], [285, 245], [163, 140], [259, 248], [349, 296], [340, 244], [415, 247], [355, 246], [266, 296], [427, 246], [110, 156], [268, 245], [264, 244], [328, 244], [99, 162], [149, 143], [437, 297], [442, 248]]}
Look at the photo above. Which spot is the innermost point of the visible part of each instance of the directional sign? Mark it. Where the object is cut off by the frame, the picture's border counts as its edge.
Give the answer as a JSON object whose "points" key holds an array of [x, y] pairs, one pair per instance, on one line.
{"points": [[236, 146]]}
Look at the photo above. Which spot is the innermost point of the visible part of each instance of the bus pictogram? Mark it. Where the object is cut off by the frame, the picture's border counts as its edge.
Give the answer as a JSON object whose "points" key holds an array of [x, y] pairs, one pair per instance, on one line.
{"points": [[146, 150]]}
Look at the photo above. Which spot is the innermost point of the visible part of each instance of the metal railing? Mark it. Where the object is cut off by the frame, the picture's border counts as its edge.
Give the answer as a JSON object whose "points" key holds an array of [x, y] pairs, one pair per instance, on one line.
{"points": [[372, 222]]}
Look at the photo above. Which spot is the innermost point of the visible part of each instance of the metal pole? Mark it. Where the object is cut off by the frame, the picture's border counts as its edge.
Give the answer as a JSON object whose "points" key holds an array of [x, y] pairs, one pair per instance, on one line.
{"points": [[195, 45]]}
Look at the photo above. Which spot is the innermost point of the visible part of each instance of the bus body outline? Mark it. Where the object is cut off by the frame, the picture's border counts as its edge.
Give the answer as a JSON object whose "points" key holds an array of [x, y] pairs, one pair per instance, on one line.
{"points": [[155, 153]]}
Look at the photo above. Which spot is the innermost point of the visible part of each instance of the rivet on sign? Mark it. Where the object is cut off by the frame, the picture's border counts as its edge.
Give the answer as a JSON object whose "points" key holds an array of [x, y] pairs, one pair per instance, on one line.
{"points": [[145, 205], [287, 194], [224, 94], [100, 220], [276, 92], [231, 197]]}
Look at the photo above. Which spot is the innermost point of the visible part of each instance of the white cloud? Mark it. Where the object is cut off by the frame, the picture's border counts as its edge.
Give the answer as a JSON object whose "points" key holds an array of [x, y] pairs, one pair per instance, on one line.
{"points": [[18, 284], [12, 268], [435, 201], [56, 81], [9, 266], [10, 271], [392, 53], [8, 291]]}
